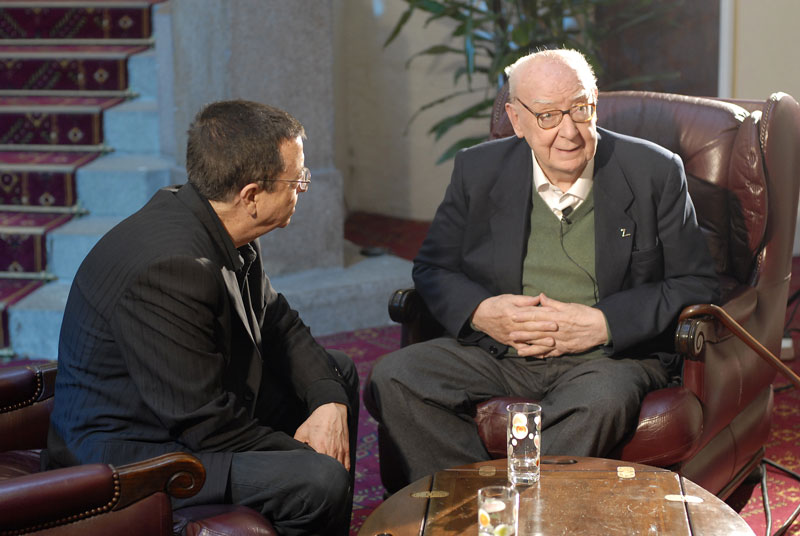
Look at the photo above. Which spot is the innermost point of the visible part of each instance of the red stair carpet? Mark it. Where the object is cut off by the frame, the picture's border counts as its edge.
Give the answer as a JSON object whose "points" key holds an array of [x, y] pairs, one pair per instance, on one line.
{"points": [[62, 64]]}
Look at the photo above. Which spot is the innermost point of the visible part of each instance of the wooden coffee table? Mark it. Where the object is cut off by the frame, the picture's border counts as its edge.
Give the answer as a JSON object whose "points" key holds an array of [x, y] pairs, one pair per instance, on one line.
{"points": [[574, 496]]}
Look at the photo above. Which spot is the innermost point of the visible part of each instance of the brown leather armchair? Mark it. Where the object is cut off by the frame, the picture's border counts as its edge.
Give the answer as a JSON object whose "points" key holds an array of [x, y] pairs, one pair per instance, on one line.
{"points": [[132, 499], [742, 161]]}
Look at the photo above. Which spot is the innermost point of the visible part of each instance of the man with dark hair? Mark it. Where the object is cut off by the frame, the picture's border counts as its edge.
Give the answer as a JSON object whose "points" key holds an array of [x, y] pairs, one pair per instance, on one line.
{"points": [[558, 263], [174, 340]]}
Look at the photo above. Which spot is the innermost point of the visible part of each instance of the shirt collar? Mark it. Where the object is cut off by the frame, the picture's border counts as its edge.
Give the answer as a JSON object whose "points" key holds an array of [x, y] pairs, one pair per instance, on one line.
{"points": [[555, 198], [234, 255]]}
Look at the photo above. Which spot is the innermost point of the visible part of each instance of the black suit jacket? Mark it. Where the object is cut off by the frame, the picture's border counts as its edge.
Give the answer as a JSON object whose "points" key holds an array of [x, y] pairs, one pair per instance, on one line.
{"points": [[159, 353], [651, 258]]}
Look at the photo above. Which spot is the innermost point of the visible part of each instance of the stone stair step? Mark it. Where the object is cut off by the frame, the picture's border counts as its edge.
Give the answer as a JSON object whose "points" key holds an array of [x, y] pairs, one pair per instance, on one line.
{"points": [[69, 244], [133, 127], [34, 322], [45, 122], [11, 291], [143, 75], [332, 300], [46, 70], [75, 20], [39, 180], [22, 240], [120, 184]]}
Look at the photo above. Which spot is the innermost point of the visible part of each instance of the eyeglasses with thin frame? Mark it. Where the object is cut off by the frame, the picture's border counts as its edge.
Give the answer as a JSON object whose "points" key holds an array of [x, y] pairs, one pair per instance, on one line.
{"points": [[304, 183], [580, 113]]}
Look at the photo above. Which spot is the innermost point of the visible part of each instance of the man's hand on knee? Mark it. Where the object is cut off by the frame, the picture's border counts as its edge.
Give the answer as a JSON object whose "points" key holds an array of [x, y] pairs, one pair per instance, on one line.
{"points": [[326, 431]]}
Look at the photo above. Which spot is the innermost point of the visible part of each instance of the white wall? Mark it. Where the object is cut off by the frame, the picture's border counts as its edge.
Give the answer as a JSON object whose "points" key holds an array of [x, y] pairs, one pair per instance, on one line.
{"points": [[765, 46], [388, 166], [763, 53]]}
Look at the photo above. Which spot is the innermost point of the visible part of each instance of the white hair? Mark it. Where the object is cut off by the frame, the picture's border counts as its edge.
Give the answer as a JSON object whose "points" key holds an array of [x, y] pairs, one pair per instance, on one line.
{"points": [[571, 58]]}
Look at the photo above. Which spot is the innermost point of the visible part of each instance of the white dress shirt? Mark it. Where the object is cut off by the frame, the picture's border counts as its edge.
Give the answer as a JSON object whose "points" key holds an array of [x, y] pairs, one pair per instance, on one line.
{"points": [[557, 200]]}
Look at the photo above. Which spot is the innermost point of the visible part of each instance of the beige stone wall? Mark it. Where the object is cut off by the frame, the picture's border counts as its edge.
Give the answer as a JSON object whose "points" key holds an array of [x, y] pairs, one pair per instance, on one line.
{"points": [[279, 53], [765, 45], [389, 167]]}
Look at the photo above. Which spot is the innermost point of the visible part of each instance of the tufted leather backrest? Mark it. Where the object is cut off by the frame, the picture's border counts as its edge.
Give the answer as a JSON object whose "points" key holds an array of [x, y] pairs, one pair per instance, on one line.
{"points": [[719, 144]]}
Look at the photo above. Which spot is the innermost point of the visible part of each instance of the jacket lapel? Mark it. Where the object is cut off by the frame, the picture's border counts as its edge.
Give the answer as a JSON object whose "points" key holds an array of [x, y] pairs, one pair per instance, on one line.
{"points": [[232, 285], [192, 200], [509, 217], [614, 228]]}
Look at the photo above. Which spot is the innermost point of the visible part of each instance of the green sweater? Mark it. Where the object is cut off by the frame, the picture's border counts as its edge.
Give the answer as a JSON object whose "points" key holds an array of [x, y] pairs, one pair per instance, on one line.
{"points": [[565, 273]]}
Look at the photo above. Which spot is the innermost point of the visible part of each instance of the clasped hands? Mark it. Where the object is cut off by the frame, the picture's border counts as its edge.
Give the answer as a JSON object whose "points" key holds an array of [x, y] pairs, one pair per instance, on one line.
{"points": [[538, 326]]}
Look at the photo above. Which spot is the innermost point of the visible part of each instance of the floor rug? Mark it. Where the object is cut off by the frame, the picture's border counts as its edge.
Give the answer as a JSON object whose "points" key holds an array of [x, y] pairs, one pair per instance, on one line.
{"points": [[365, 347], [397, 236]]}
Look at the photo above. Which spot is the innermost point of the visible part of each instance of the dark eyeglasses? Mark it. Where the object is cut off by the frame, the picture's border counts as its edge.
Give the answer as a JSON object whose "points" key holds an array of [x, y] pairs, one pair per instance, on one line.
{"points": [[580, 113], [303, 183]]}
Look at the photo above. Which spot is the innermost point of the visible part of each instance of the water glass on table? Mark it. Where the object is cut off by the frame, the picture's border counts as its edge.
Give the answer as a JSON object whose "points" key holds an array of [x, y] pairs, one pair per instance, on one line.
{"points": [[524, 442], [498, 511]]}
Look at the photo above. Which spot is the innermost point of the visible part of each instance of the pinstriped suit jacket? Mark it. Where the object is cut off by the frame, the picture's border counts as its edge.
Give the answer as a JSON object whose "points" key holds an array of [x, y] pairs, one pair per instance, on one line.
{"points": [[158, 354]]}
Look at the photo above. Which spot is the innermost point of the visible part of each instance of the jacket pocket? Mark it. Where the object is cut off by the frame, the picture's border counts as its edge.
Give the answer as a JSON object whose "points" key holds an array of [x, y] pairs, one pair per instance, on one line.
{"points": [[647, 265]]}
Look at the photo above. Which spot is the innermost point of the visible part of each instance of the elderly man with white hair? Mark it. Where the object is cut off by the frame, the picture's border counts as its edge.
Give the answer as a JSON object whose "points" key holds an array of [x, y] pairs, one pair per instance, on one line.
{"points": [[558, 263]]}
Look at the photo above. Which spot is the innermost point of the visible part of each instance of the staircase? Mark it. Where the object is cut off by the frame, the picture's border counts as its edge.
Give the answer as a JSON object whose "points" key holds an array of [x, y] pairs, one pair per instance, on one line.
{"points": [[79, 148]]}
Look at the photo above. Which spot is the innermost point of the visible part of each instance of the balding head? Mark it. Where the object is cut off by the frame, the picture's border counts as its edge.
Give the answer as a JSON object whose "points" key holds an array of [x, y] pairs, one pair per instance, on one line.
{"points": [[528, 67]]}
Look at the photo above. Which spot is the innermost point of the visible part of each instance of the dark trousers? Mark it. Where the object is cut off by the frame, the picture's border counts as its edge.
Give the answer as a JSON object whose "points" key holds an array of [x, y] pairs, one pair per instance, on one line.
{"points": [[426, 395], [301, 492]]}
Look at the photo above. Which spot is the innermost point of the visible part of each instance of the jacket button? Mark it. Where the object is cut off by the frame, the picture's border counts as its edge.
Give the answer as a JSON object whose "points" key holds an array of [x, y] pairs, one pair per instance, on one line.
{"points": [[493, 350]]}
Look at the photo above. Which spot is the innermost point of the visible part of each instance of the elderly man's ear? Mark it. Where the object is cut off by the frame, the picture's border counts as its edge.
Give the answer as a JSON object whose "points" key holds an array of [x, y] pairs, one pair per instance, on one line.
{"points": [[513, 116]]}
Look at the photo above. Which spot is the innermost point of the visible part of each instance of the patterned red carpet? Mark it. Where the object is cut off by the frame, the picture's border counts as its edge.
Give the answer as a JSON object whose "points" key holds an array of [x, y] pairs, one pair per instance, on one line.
{"points": [[365, 347]]}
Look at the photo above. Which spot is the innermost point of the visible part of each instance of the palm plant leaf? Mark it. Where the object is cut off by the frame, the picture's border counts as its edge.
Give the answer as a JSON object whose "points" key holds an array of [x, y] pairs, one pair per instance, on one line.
{"points": [[440, 128], [493, 34], [463, 143]]}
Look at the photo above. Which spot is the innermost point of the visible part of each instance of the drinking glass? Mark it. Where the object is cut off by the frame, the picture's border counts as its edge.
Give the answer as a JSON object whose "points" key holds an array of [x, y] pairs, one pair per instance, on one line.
{"points": [[524, 442], [498, 511]]}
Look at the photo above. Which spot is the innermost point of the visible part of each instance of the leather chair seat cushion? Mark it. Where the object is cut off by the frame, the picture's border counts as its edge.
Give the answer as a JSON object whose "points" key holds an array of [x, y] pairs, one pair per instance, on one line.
{"points": [[669, 430], [231, 520], [16, 463], [149, 516]]}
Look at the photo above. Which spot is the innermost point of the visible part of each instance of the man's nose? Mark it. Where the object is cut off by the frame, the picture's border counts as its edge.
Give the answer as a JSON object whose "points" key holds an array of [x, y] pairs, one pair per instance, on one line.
{"points": [[567, 128]]}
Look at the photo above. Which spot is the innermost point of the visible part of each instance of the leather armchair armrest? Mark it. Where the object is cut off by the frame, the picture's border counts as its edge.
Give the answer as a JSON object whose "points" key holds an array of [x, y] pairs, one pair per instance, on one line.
{"points": [[693, 331], [59, 496], [26, 400], [178, 474], [696, 325], [407, 307]]}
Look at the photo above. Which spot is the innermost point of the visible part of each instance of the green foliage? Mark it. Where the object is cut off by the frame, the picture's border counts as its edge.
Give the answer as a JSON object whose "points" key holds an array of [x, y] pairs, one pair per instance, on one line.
{"points": [[489, 35]]}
